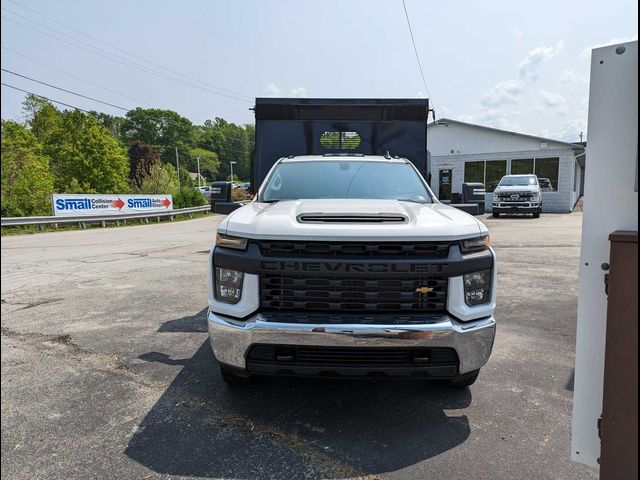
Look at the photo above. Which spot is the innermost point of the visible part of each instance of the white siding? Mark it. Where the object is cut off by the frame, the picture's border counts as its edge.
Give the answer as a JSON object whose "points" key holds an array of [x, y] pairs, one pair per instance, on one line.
{"points": [[453, 145], [461, 139]]}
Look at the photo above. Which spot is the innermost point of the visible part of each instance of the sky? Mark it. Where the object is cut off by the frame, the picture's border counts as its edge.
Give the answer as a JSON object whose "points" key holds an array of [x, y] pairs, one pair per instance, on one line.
{"points": [[520, 66]]}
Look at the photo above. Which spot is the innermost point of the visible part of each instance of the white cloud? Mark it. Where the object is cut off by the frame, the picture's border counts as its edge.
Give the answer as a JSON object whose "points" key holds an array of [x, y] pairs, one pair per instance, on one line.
{"points": [[500, 119], [586, 52], [298, 92], [273, 90], [569, 132], [571, 76], [503, 93], [553, 99], [535, 57]]}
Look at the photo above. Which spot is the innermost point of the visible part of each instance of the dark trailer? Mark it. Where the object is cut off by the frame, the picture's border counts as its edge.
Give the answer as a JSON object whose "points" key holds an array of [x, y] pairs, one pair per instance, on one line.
{"points": [[316, 126]]}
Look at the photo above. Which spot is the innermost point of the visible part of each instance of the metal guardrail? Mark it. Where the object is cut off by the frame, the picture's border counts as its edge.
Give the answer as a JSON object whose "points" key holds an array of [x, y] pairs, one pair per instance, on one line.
{"points": [[103, 219]]}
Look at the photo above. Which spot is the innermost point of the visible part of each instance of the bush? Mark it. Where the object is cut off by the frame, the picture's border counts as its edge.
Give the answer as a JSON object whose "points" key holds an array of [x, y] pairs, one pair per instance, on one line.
{"points": [[189, 197]]}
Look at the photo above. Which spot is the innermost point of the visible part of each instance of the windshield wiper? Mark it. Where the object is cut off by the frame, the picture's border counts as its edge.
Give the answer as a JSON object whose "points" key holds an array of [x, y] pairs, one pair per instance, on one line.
{"points": [[411, 200]]}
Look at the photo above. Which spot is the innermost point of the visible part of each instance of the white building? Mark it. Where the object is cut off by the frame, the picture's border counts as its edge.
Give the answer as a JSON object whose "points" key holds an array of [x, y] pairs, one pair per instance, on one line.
{"points": [[461, 152]]}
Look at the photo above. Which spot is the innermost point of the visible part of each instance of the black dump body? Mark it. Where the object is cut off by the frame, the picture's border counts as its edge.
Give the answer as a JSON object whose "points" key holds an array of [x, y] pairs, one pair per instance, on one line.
{"points": [[315, 126]]}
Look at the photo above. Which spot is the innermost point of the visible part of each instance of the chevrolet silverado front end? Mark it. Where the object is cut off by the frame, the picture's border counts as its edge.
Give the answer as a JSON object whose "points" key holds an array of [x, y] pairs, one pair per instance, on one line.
{"points": [[350, 267]]}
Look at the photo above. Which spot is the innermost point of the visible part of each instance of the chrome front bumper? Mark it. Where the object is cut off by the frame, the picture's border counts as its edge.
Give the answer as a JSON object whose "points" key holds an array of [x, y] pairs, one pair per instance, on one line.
{"points": [[473, 341]]}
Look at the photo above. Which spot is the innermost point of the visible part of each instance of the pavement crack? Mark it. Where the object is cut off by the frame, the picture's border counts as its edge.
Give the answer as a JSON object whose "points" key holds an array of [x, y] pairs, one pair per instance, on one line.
{"points": [[26, 306]]}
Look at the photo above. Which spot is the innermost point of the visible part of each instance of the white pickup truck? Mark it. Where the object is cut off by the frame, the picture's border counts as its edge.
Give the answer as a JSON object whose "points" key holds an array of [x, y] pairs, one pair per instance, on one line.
{"points": [[517, 194], [348, 266]]}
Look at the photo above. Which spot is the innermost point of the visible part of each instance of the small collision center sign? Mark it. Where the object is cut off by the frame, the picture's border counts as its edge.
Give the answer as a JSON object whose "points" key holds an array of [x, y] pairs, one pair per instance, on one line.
{"points": [[85, 205]]}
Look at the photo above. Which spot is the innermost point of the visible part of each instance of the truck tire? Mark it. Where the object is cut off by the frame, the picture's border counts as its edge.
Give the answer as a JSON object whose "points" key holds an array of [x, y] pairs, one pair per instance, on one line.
{"points": [[496, 214], [464, 380], [536, 214], [232, 379]]}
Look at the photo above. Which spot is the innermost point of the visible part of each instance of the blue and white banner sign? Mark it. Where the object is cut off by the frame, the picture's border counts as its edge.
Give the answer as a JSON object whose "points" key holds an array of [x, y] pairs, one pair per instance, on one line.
{"points": [[77, 205]]}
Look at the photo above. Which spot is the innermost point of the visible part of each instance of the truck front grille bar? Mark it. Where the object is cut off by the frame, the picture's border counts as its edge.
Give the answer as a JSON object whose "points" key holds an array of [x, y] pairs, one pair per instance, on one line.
{"points": [[337, 293]]}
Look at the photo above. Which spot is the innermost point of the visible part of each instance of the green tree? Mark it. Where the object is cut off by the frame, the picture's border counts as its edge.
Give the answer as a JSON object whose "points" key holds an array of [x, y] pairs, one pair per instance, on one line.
{"points": [[164, 129], [42, 116], [142, 158], [209, 162], [232, 143], [162, 179], [84, 155], [113, 123], [27, 183]]}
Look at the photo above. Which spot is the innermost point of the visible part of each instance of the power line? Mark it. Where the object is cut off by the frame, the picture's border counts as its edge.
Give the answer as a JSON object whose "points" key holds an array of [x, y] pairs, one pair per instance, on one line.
{"points": [[415, 49], [86, 111], [74, 76], [115, 58], [64, 90], [127, 52], [45, 98]]}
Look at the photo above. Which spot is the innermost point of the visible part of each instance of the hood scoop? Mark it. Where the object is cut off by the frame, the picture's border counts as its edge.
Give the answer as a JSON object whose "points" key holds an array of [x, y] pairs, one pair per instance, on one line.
{"points": [[351, 218]]}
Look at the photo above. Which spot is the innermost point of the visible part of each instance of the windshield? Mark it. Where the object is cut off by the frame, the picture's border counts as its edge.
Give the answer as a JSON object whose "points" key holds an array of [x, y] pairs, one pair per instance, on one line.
{"points": [[344, 179], [519, 181]]}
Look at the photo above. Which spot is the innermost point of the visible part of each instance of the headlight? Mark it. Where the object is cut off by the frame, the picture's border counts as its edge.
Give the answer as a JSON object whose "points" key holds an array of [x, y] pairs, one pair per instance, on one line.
{"points": [[228, 241], [228, 285], [475, 244], [477, 287]]}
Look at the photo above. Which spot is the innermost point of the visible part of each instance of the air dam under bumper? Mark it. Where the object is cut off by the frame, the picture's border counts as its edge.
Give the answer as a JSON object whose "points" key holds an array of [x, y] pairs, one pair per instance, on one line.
{"points": [[512, 207], [472, 341]]}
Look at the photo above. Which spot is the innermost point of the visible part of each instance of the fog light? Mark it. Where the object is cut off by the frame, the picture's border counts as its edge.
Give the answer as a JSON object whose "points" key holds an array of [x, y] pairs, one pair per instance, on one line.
{"points": [[477, 287], [228, 285]]}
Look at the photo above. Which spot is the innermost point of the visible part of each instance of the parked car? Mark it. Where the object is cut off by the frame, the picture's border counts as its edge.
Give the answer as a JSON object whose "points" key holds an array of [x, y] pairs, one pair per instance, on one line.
{"points": [[545, 185], [206, 191], [517, 194]]}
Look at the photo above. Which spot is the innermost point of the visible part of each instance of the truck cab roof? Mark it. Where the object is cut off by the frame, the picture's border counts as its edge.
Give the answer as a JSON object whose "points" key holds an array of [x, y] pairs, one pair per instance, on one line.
{"points": [[344, 158]]}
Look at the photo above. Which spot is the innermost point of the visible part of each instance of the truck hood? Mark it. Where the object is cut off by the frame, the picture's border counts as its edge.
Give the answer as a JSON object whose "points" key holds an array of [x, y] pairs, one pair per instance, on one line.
{"points": [[271, 221]]}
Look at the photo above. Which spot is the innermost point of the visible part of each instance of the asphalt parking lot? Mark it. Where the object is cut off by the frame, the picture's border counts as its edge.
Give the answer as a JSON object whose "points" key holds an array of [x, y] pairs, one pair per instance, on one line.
{"points": [[107, 373]]}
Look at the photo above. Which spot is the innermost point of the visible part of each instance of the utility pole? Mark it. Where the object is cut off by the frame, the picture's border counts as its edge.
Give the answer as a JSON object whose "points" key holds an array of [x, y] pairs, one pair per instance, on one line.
{"points": [[232, 164], [198, 157], [178, 165], [580, 137]]}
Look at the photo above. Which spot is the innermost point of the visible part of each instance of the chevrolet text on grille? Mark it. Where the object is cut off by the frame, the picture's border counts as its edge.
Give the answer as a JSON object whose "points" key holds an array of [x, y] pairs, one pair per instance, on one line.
{"points": [[347, 267]]}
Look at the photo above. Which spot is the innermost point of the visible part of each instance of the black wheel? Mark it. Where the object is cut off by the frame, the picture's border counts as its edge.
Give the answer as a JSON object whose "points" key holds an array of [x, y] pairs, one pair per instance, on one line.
{"points": [[231, 378], [496, 214], [464, 380], [537, 214]]}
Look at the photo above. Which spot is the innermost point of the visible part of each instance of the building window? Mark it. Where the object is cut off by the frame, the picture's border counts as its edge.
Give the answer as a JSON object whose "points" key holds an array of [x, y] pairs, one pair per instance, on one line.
{"points": [[474, 172], [488, 173], [548, 168], [522, 166], [542, 167], [496, 169]]}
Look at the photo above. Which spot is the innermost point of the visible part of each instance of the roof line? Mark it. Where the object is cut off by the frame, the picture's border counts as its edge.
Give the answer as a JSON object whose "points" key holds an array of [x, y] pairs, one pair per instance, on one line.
{"points": [[440, 121]]}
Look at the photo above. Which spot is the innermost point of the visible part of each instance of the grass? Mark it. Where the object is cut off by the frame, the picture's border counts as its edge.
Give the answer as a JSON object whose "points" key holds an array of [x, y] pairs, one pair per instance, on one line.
{"points": [[28, 229]]}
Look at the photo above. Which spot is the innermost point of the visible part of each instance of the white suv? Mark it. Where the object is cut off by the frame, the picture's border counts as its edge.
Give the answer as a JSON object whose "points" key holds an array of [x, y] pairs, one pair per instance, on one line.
{"points": [[517, 194]]}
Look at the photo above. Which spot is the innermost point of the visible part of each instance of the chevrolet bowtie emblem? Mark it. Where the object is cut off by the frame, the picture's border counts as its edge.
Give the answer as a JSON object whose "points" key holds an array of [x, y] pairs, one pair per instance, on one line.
{"points": [[424, 289]]}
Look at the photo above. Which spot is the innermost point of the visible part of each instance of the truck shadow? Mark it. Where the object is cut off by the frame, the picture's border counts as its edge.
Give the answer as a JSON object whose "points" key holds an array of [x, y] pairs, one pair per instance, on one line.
{"points": [[200, 427]]}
